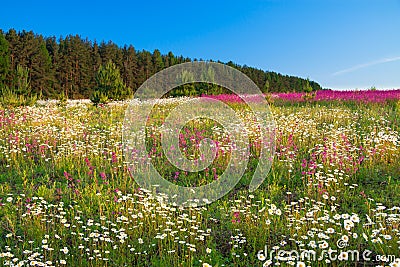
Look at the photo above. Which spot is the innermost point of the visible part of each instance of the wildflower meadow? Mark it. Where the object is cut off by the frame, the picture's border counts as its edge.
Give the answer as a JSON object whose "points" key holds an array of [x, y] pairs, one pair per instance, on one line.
{"points": [[68, 196]]}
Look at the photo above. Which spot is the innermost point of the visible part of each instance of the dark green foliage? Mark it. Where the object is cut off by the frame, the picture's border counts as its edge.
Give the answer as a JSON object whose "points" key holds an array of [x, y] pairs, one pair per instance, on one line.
{"points": [[98, 97], [9, 98], [70, 65], [21, 94], [157, 61], [130, 68], [110, 85], [188, 88], [4, 58], [22, 81], [307, 87], [62, 99], [310, 95]]}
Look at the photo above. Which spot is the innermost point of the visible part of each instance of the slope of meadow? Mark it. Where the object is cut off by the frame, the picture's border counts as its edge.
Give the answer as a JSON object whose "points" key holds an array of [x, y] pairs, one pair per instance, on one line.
{"points": [[67, 197]]}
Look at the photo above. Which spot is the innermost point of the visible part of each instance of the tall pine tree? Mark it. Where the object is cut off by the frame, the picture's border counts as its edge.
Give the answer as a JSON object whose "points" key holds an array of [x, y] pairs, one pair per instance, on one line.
{"points": [[4, 59]]}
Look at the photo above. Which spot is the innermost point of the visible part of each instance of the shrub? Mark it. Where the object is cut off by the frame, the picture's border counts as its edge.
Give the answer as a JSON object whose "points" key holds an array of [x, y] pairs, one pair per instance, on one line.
{"points": [[11, 98], [110, 85], [98, 97]]}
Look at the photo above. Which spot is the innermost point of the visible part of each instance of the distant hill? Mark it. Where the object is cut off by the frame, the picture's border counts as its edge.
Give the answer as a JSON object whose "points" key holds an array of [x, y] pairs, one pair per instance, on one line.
{"points": [[68, 65]]}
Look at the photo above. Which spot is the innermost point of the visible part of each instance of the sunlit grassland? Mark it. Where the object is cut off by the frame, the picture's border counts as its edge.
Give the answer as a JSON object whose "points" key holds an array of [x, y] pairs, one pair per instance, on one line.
{"points": [[68, 198]]}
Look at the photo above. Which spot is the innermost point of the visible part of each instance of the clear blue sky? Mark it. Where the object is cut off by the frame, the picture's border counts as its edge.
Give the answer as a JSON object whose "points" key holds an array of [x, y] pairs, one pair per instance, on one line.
{"points": [[342, 44]]}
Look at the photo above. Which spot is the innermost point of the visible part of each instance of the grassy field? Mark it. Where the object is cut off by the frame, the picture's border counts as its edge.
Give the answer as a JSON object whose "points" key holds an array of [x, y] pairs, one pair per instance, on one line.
{"points": [[67, 197]]}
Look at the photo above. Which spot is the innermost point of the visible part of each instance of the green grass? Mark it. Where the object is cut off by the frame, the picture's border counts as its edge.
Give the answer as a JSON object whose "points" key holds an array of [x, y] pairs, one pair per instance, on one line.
{"points": [[64, 183]]}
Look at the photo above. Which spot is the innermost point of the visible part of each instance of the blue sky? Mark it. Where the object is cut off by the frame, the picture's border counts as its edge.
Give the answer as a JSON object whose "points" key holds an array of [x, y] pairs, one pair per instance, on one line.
{"points": [[342, 44]]}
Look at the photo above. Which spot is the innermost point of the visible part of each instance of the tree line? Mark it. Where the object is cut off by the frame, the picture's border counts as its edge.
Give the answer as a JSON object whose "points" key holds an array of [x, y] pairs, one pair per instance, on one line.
{"points": [[70, 66]]}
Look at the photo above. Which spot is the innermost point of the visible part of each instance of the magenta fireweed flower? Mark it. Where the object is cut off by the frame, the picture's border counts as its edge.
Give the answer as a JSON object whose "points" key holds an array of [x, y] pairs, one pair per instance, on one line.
{"points": [[88, 164], [304, 163], [103, 175], [236, 217], [114, 157], [214, 170], [371, 96], [68, 176], [91, 168], [233, 98]]}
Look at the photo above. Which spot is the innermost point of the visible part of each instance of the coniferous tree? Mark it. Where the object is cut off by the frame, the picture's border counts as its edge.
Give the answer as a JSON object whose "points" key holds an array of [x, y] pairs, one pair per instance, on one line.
{"points": [[65, 71], [21, 94], [42, 76], [4, 59], [130, 69], [187, 89], [157, 61], [53, 50], [70, 65], [171, 59], [145, 58], [110, 84], [23, 86], [96, 58], [13, 40]]}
